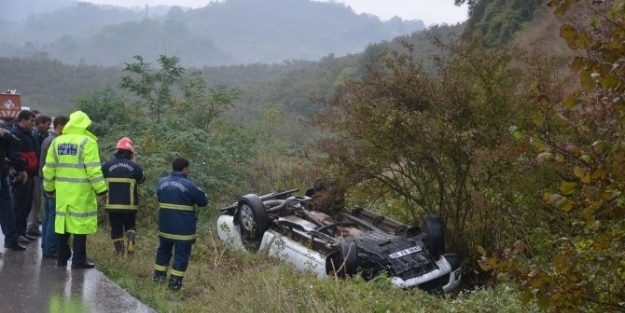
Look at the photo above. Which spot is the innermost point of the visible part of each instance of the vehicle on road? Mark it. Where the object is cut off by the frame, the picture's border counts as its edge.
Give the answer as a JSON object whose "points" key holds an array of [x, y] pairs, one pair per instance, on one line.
{"points": [[329, 241]]}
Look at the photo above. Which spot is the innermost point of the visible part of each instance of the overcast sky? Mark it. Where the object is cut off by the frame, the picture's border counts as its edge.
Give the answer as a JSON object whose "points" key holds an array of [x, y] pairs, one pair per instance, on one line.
{"points": [[429, 11]]}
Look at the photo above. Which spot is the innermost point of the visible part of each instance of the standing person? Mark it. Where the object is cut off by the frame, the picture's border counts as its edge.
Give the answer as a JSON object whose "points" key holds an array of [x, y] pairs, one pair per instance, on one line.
{"points": [[9, 145], [122, 175], [40, 132], [177, 198], [23, 190], [73, 175], [48, 237]]}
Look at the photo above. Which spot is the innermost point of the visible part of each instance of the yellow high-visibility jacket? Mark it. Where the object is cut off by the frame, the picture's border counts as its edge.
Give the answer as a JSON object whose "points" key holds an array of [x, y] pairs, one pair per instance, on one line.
{"points": [[74, 173]]}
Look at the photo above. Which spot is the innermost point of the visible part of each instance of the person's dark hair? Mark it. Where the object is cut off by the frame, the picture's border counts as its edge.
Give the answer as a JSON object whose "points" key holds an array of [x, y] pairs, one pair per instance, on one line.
{"points": [[42, 119], [60, 120], [36, 112], [25, 115], [179, 164]]}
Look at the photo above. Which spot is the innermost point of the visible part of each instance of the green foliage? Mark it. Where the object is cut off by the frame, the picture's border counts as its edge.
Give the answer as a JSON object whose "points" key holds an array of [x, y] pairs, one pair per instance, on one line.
{"points": [[203, 104], [431, 143], [108, 111], [154, 87], [166, 122], [584, 268], [497, 21]]}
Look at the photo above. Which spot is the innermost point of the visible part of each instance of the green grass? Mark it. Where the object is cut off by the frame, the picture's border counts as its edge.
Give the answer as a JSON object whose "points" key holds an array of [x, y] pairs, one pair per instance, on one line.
{"points": [[221, 280]]}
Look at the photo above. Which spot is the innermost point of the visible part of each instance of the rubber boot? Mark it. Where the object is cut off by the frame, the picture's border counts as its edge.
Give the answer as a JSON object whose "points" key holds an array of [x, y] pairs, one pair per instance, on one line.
{"points": [[130, 246], [175, 283], [119, 245], [159, 276]]}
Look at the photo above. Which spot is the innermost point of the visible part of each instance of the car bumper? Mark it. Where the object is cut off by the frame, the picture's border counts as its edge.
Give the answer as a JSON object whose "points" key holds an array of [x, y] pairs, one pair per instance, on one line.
{"points": [[444, 278]]}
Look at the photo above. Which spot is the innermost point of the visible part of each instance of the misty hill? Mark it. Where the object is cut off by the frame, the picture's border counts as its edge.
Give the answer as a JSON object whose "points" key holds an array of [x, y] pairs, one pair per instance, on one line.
{"points": [[55, 87], [222, 33]]}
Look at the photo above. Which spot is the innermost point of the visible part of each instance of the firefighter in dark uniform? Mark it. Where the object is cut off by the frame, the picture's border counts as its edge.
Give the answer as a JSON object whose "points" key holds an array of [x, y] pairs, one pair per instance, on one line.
{"points": [[122, 175], [178, 198]]}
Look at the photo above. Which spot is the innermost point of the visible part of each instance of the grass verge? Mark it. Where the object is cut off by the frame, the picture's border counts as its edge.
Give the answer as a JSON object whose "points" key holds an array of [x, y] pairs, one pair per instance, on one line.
{"points": [[221, 280]]}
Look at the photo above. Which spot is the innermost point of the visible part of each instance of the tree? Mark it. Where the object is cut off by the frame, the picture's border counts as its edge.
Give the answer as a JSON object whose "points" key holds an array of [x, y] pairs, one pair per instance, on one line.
{"points": [[154, 87], [429, 142], [497, 21], [202, 104], [109, 110], [184, 118], [584, 269]]}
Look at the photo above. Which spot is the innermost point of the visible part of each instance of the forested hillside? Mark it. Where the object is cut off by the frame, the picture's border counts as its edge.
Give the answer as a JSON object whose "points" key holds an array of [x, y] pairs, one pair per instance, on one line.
{"points": [[54, 87], [498, 21], [222, 33], [50, 85], [509, 128]]}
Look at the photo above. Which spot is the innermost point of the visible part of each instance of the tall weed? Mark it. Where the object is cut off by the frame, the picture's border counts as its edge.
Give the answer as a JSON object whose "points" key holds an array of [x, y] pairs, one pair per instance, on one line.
{"points": [[222, 280]]}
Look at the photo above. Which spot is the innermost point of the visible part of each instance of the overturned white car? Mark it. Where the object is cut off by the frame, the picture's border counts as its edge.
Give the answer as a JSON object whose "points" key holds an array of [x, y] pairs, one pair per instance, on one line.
{"points": [[337, 242]]}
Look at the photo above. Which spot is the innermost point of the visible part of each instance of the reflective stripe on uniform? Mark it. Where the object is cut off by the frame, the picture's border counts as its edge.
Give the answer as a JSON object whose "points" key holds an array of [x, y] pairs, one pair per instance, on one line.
{"points": [[161, 268], [120, 180], [73, 165], [172, 206], [131, 189], [73, 180], [121, 207], [68, 165], [55, 154], [96, 180], [81, 150], [76, 214], [177, 237], [177, 273]]}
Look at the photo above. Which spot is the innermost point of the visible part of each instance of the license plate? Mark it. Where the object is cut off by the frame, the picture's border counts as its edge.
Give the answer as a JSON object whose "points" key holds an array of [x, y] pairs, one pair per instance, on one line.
{"points": [[402, 253]]}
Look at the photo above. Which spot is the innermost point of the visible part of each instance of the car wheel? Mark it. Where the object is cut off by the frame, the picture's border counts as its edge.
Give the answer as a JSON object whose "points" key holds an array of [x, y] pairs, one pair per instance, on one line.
{"points": [[347, 259], [435, 243], [252, 219]]}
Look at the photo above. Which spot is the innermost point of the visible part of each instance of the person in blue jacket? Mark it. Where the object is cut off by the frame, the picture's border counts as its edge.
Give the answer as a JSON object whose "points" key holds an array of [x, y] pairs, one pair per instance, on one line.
{"points": [[178, 198]]}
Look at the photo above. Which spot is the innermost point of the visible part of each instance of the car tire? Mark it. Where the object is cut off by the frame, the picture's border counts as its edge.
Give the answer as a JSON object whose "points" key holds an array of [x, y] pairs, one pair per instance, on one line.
{"points": [[435, 242], [347, 260], [252, 219]]}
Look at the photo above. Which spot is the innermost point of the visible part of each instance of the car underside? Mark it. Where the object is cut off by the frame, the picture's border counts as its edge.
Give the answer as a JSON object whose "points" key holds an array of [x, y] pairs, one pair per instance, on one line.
{"points": [[340, 242]]}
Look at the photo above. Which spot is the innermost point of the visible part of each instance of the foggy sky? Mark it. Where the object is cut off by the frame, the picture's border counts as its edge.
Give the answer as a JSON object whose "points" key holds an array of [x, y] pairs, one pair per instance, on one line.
{"points": [[429, 11]]}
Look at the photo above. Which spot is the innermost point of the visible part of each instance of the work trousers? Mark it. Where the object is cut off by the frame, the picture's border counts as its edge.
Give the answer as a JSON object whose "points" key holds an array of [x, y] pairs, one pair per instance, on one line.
{"points": [[181, 251], [22, 203], [32, 221], [121, 222], [7, 215], [79, 245]]}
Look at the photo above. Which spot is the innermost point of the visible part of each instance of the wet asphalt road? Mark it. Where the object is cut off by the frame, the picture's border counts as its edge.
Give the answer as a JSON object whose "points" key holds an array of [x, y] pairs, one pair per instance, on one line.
{"points": [[30, 284]]}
